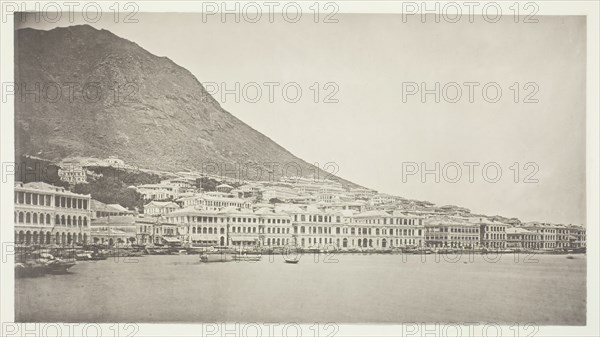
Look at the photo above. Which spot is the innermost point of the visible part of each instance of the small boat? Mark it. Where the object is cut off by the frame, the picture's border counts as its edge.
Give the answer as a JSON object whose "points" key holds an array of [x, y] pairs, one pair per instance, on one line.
{"points": [[58, 266], [83, 255], [252, 257], [29, 269], [208, 258], [293, 260], [99, 255]]}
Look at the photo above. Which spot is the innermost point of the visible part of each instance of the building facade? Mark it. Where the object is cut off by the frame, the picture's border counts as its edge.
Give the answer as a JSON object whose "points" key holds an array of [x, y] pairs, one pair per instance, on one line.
{"points": [[47, 214]]}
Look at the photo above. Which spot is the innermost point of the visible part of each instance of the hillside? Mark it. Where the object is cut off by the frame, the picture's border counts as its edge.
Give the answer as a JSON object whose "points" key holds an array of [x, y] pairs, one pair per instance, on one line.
{"points": [[161, 117]]}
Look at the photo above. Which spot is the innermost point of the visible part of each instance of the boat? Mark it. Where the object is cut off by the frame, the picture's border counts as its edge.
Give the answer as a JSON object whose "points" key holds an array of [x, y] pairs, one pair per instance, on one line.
{"points": [[208, 258], [58, 266], [156, 251], [99, 255], [81, 255], [292, 260], [54, 265], [29, 269], [252, 257]]}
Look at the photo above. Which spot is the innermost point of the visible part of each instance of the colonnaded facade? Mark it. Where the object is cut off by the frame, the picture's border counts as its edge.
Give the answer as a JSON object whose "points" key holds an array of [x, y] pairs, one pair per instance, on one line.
{"points": [[47, 214]]}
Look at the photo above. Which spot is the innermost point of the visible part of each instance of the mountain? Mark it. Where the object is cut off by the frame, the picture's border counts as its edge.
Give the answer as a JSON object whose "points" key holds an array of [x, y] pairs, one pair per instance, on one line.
{"points": [[151, 112]]}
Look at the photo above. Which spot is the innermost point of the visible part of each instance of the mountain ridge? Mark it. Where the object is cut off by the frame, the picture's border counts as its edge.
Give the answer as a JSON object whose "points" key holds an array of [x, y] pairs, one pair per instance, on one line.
{"points": [[149, 107]]}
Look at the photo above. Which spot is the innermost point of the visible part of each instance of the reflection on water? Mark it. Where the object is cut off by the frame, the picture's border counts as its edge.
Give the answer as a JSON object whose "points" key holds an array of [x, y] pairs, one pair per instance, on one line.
{"points": [[547, 290]]}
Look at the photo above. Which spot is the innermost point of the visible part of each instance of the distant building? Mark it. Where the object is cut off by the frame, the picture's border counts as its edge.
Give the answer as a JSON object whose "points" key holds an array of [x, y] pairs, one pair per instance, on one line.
{"points": [[492, 233], [520, 238], [224, 188], [159, 191], [547, 234], [446, 232], [72, 172], [113, 230], [101, 210], [158, 208]]}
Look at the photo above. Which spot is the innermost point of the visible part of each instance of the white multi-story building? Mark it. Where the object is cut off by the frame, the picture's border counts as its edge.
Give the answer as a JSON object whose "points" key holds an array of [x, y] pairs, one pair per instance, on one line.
{"points": [[73, 173], [47, 214], [213, 202], [232, 226], [159, 191], [158, 208]]}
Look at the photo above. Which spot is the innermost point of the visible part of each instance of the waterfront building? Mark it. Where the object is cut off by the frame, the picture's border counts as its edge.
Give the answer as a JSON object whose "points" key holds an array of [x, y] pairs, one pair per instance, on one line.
{"points": [[385, 230], [492, 233], [144, 233], [47, 214], [321, 229], [577, 236], [200, 226], [547, 234], [231, 226], [167, 233], [563, 234], [344, 229], [113, 230], [101, 210], [520, 238], [446, 232]]}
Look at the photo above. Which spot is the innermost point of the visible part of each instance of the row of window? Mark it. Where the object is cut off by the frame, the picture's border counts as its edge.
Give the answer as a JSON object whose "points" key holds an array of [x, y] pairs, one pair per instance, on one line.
{"points": [[44, 219], [392, 221], [210, 219], [317, 218], [495, 236], [473, 230], [456, 238], [26, 198], [48, 238]]}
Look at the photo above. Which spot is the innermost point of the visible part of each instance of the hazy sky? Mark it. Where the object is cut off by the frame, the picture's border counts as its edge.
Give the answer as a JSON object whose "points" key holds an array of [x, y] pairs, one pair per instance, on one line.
{"points": [[371, 132]]}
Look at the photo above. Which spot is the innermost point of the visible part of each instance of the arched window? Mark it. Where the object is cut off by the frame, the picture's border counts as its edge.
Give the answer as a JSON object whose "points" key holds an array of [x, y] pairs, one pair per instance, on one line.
{"points": [[63, 220], [35, 218], [57, 220], [68, 220], [79, 222], [85, 221], [27, 218]]}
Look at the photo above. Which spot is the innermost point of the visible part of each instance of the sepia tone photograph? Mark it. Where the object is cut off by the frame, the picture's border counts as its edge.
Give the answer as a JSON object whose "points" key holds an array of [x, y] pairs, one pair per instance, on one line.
{"points": [[242, 163]]}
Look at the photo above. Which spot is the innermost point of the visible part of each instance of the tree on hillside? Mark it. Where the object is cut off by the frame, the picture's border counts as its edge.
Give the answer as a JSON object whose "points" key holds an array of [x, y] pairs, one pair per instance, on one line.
{"points": [[207, 184]]}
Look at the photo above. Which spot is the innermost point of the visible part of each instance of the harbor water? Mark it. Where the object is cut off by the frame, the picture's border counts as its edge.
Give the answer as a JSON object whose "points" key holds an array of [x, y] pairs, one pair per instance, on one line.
{"points": [[346, 288]]}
